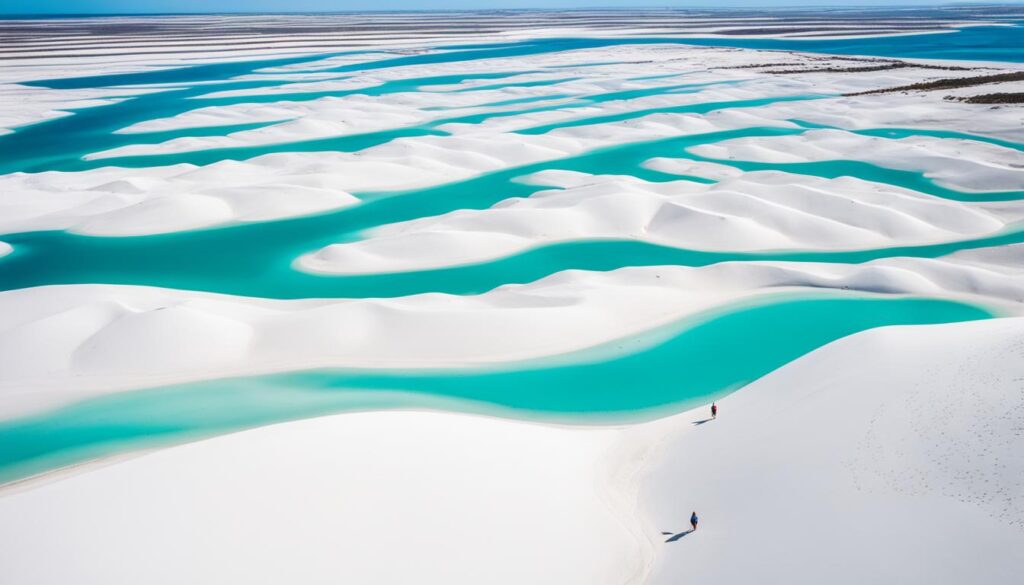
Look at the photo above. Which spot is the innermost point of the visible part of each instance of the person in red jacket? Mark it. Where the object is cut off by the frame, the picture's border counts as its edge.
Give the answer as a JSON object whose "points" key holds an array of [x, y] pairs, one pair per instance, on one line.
{"points": [[714, 410]]}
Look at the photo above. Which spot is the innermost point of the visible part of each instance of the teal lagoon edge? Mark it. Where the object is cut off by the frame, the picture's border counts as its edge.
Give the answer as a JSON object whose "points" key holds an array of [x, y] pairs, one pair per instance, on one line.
{"points": [[639, 377], [257, 259], [635, 378]]}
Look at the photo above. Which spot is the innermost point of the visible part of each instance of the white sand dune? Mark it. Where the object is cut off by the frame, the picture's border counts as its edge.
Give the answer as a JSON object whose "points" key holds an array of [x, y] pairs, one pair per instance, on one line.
{"points": [[892, 456], [888, 456], [124, 40], [616, 62], [913, 110], [339, 116], [115, 201], [589, 117], [22, 105], [458, 499], [220, 116], [334, 117], [693, 168], [423, 104], [122, 202], [331, 117], [159, 200], [59, 344], [754, 212], [323, 118], [966, 165], [839, 76]]}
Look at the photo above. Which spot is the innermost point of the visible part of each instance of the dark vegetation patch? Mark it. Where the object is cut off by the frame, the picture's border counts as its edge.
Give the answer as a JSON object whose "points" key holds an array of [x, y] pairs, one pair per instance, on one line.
{"points": [[821, 30], [992, 98], [757, 66], [869, 68], [949, 83]]}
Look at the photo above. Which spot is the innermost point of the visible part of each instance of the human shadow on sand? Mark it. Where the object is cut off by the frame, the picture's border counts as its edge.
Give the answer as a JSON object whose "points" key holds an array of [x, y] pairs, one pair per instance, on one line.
{"points": [[700, 422], [676, 537]]}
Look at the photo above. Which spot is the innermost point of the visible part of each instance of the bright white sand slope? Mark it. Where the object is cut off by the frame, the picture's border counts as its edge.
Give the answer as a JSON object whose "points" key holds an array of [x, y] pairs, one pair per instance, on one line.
{"points": [[889, 456], [125, 202], [959, 164], [166, 199], [116, 201], [757, 211], [21, 105], [59, 344], [693, 168], [907, 111], [362, 498], [332, 117]]}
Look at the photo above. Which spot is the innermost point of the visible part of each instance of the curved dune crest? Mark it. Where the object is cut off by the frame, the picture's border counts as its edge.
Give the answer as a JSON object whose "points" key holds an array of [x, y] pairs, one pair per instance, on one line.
{"points": [[495, 93], [340, 498], [22, 105], [757, 211], [959, 164], [864, 456], [899, 460], [693, 168], [59, 344], [323, 118], [141, 439], [124, 202], [114, 201], [867, 112]]}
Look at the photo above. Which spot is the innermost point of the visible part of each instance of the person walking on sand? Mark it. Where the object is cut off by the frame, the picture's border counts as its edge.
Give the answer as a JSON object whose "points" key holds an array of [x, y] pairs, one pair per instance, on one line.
{"points": [[693, 520], [714, 410]]}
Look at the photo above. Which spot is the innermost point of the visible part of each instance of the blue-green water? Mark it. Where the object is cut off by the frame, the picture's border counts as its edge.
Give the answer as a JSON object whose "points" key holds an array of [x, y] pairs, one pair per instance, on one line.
{"points": [[88, 130], [979, 43], [644, 376], [897, 133], [700, 108], [256, 259], [92, 130], [30, 149]]}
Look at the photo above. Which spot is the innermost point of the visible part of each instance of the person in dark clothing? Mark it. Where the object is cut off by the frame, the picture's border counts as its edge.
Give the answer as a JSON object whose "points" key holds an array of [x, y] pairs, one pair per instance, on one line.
{"points": [[693, 520], [714, 410]]}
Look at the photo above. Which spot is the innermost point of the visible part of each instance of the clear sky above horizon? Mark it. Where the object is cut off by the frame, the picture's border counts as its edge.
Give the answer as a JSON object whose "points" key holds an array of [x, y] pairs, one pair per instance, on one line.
{"points": [[164, 6]]}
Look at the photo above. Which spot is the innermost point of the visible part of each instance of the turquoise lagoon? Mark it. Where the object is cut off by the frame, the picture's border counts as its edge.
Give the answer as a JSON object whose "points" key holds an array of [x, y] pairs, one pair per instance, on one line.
{"points": [[643, 376]]}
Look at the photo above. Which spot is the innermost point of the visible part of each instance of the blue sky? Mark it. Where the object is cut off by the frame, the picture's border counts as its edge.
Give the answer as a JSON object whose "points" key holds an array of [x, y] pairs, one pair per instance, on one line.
{"points": [[143, 6]]}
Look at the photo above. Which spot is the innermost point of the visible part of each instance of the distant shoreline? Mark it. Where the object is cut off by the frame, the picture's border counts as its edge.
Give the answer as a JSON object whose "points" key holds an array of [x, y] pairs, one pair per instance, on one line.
{"points": [[958, 7]]}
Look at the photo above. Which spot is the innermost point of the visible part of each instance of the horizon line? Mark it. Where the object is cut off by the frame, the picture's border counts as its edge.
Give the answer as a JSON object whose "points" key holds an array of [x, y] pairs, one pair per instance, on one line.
{"points": [[794, 7]]}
